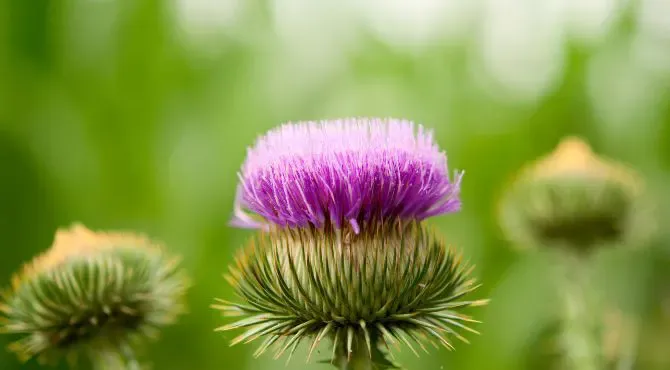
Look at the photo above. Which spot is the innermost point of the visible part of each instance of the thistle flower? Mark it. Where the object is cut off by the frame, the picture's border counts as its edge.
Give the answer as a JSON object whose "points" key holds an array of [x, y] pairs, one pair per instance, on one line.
{"points": [[343, 253], [92, 292], [573, 198], [346, 171]]}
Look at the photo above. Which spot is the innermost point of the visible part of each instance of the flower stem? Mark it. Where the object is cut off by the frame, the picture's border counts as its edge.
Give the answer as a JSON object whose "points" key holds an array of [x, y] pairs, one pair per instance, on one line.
{"points": [[120, 358], [580, 342], [129, 356], [628, 349], [358, 359], [354, 353]]}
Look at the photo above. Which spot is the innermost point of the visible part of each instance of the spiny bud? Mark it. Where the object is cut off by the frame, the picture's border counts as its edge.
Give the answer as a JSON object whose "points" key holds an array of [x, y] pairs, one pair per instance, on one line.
{"points": [[575, 199], [391, 283], [92, 292]]}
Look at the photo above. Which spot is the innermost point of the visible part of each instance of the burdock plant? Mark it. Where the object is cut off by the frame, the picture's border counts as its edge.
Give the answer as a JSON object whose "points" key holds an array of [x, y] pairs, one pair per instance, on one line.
{"points": [[343, 252], [92, 293], [574, 203]]}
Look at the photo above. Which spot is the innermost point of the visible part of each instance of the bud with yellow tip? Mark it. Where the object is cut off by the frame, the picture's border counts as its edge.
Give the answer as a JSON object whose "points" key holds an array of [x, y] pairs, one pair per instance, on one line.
{"points": [[575, 202], [573, 198], [92, 292]]}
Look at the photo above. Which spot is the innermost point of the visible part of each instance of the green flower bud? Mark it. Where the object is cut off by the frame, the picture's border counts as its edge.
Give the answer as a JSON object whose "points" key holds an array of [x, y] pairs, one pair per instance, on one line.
{"points": [[97, 293], [391, 283], [574, 199]]}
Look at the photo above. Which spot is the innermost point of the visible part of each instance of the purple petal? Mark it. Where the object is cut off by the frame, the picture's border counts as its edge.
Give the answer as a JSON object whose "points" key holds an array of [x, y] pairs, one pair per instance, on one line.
{"points": [[345, 172]]}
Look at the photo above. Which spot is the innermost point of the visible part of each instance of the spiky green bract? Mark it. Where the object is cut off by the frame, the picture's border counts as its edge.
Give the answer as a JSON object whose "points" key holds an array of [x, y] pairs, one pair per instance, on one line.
{"points": [[97, 301], [575, 200], [572, 212], [392, 283]]}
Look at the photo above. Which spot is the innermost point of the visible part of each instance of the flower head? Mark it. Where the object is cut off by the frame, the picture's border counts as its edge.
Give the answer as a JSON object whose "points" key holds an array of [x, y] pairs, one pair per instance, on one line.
{"points": [[347, 171], [573, 198], [97, 292], [391, 283], [343, 253]]}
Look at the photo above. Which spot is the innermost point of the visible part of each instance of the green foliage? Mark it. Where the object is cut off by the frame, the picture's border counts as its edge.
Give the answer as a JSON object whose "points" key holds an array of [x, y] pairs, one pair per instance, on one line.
{"points": [[392, 283]]}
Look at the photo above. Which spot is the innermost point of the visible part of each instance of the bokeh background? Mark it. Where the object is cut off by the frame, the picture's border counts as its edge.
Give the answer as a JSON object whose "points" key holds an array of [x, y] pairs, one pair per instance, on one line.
{"points": [[129, 114]]}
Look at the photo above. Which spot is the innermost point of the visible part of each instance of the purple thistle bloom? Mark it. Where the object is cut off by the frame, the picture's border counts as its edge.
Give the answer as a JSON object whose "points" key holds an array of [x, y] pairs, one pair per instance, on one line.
{"points": [[347, 171]]}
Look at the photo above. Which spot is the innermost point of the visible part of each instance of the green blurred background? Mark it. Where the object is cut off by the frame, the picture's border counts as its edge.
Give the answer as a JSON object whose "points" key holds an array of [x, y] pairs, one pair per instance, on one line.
{"points": [[135, 114]]}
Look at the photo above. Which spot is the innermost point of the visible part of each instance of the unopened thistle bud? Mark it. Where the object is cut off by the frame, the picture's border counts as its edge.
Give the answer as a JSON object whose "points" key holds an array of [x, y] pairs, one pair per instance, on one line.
{"points": [[343, 253], [94, 293], [574, 199]]}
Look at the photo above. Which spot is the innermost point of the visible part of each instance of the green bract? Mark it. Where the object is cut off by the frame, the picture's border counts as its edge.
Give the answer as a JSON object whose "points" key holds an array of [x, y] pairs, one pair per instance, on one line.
{"points": [[97, 298], [391, 283], [574, 200], [575, 212]]}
